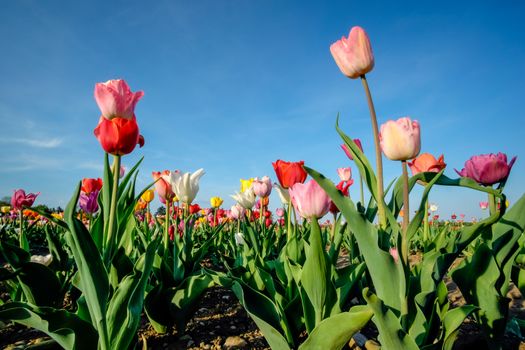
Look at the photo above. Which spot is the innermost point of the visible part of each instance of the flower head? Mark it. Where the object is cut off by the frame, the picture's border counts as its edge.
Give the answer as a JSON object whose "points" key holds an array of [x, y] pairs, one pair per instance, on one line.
{"points": [[426, 162], [185, 186], [400, 139], [347, 150], [91, 185], [245, 199], [163, 185], [20, 199], [487, 169], [310, 200], [88, 202], [289, 173], [115, 99], [216, 202], [483, 205], [262, 187], [345, 174], [353, 55], [148, 195]]}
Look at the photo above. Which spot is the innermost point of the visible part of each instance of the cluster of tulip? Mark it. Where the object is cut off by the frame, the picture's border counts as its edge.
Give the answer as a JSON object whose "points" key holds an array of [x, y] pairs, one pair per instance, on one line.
{"points": [[286, 273]]}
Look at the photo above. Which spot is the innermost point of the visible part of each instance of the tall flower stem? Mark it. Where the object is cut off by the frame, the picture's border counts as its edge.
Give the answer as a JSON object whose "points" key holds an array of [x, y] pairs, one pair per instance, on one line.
{"points": [[426, 228], [289, 219], [22, 236], [361, 188], [406, 214], [113, 205], [492, 204], [261, 213], [379, 160]]}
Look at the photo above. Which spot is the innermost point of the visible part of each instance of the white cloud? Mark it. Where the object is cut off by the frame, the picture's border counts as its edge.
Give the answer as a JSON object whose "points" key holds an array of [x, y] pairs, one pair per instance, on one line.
{"points": [[42, 143]]}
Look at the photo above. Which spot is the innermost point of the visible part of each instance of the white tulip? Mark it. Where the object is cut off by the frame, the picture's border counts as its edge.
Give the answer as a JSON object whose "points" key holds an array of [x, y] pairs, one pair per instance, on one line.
{"points": [[245, 199], [283, 193], [185, 186]]}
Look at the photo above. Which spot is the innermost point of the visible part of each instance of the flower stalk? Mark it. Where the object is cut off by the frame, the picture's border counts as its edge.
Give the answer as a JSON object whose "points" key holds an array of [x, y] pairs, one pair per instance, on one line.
{"points": [[406, 214], [113, 206], [379, 160]]}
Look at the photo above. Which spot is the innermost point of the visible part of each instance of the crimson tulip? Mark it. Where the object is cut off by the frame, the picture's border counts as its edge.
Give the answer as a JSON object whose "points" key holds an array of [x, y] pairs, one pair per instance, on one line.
{"points": [[289, 173]]}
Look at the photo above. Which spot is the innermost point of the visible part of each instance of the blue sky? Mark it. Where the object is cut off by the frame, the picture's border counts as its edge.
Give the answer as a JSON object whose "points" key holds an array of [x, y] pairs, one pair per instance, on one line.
{"points": [[231, 86]]}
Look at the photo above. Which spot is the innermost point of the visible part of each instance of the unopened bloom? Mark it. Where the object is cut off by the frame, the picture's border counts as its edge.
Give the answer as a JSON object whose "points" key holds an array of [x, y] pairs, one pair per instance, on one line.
{"points": [[347, 150], [262, 187], [117, 130], [163, 185], [400, 139], [289, 173], [216, 202], [88, 202], [426, 162], [186, 185], [394, 253], [483, 205], [246, 199], [310, 200], [148, 195], [353, 55], [91, 185], [345, 174], [487, 169], [20, 199]]}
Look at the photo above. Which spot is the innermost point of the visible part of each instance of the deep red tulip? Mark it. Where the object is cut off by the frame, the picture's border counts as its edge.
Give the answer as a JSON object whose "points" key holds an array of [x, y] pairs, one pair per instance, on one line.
{"points": [[118, 136], [289, 173]]}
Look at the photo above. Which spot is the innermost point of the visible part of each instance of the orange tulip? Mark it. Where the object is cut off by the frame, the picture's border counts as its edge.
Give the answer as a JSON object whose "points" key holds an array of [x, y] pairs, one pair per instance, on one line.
{"points": [[427, 163]]}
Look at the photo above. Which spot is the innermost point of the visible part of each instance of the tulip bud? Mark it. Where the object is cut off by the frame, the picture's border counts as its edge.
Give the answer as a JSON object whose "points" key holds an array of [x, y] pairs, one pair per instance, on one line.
{"points": [[400, 139], [353, 55]]}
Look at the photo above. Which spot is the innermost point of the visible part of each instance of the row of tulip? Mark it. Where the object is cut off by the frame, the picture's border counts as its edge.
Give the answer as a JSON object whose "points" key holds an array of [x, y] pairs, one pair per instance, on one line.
{"points": [[114, 259]]}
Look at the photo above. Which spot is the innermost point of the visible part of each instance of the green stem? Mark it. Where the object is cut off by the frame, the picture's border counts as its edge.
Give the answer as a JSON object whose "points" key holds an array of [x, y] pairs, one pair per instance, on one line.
{"points": [[492, 204], [406, 214], [426, 231], [289, 219], [24, 244], [113, 205], [379, 161], [332, 232]]}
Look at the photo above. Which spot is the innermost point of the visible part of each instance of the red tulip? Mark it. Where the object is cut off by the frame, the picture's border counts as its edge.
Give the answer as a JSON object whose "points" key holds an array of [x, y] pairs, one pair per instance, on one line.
{"points": [[20, 199], [487, 169], [91, 185], [289, 173], [343, 187], [427, 163]]}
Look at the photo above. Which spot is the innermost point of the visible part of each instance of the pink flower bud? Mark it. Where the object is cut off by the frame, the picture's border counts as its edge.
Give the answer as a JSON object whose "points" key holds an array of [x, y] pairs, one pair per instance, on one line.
{"points": [[353, 55]]}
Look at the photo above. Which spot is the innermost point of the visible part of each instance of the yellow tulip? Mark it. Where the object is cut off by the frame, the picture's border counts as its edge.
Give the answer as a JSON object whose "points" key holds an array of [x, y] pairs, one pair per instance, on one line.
{"points": [[57, 215], [246, 184], [5, 209], [148, 196], [216, 201]]}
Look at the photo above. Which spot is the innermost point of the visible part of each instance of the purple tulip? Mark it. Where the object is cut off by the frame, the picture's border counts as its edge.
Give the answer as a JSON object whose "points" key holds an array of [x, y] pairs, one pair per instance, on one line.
{"points": [[88, 202], [487, 169]]}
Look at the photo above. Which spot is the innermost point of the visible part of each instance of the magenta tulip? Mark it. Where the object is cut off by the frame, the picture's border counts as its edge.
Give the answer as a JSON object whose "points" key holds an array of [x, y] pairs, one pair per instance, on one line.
{"points": [[88, 202], [487, 169], [483, 205], [347, 151], [310, 200], [400, 139], [353, 55], [20, 199]]}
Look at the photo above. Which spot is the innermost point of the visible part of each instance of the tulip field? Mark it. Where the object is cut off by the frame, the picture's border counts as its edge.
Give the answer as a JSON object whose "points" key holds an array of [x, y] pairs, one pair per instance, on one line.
{"points": [[322, 271]]}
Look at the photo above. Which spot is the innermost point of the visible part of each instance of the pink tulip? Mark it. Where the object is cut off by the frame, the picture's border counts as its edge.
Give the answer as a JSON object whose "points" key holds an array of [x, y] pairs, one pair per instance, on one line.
{"points": [[237, 212], [262, 187], [162, 186], [483, 205], [353, 55], [487, 169], [115, 99], [20, 199], [347, 151], [279, 212], [400, 139], [310, 200], [345, 174], [394, 253]]}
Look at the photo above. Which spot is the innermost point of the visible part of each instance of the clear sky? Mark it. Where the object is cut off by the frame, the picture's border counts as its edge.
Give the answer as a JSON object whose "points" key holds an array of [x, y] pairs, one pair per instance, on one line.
{"points": [[231, 86]]}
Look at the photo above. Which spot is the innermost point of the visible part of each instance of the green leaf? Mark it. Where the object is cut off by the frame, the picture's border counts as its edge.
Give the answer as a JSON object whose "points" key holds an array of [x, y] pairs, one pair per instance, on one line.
{"points": [[451, 323], [334, 333], [391, 335], [93, 276], [264, 314], [70, 331]]}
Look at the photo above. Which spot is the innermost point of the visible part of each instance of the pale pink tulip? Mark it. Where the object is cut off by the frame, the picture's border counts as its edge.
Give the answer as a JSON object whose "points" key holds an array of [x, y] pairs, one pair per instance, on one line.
{"points": [[400, 139], [345, 174], [483, 205], [115, 99], [262, 187], [310, 200], [353, 55]]}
